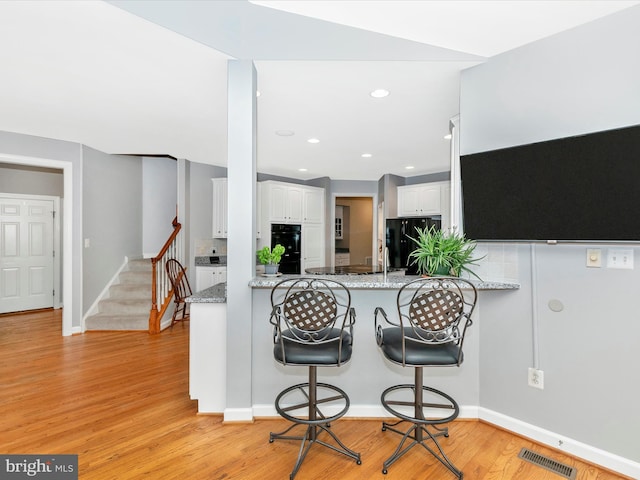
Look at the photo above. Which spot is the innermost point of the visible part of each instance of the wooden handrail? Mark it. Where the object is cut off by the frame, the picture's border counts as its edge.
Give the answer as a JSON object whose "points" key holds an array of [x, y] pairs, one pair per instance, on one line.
{"points": [[161, 291]]}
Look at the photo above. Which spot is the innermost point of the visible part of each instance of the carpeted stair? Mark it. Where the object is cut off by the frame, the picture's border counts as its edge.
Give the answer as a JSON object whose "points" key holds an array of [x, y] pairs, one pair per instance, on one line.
{"points": [[129, 302]]}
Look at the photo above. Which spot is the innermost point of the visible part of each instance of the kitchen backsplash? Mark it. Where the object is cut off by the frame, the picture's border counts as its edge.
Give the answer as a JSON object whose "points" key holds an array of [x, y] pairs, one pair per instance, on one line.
{"points": [[205, 246]]}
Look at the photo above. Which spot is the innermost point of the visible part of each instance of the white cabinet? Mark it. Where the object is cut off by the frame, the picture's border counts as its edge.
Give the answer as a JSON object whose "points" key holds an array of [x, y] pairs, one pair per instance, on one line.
{"points": [[312, 245], [208, 276], [220, 210], [281, 202], [312, 205], [258, 210], [219, 207], [339, 225], [419, 200], [290, 203], [343, 259]]}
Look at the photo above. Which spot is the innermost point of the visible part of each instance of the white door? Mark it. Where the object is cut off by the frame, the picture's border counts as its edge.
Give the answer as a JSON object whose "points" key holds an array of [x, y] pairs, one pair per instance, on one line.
{"points": [[26, 254]]}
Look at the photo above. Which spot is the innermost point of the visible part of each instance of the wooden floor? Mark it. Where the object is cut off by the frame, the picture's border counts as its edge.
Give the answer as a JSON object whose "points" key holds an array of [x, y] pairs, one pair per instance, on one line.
{"points": [[120, 401]]}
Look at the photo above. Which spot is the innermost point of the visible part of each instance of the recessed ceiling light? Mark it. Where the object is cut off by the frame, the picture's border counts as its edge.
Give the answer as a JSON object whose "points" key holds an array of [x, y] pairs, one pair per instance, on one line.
{"points": [[409, 167], [379, 93], [366, 155], [447, 136], [285, 133], [302, 169], [313, 140], [257, 93]]}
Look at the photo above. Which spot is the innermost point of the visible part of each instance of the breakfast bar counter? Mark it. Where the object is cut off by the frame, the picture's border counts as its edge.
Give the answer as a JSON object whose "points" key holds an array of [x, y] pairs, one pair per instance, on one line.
{"points": [[364, 377]]}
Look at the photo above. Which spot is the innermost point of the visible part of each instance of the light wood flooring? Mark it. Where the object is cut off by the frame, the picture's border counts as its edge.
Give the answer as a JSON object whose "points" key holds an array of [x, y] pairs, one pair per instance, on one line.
{"points": [[120, 401]]}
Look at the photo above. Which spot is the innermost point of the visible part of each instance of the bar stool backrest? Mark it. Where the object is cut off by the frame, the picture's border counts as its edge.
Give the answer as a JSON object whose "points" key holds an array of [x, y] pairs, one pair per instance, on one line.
{"points": [[310, 309], [436, 310]]}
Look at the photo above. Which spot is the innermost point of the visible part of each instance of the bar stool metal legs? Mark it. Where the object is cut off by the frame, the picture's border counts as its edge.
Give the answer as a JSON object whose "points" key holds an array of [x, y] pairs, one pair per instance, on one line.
{"points": [[316, 421], [424, 428]]}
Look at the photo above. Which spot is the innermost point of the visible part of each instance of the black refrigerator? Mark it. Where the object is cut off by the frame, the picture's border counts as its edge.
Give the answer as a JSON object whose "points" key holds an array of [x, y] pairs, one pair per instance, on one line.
{"points": [[399, 245]]}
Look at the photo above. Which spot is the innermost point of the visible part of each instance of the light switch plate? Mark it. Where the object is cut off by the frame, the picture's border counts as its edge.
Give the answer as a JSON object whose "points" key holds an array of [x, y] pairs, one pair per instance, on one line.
{"points": [[620, 258]]}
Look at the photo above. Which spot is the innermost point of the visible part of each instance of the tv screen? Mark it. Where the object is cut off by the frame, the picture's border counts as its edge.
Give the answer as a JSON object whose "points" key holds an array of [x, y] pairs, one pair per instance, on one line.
{"points": [[584, 188]]}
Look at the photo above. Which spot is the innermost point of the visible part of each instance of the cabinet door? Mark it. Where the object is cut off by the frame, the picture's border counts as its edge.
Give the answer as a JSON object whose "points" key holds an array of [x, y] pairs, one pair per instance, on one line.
{"points": [[220, 275], [312, 246], [277, 196], [205, 278], [294, 205], [313, 205], [429, 200], [220, 208], [408, 201], [419, 200], [258, 210]]}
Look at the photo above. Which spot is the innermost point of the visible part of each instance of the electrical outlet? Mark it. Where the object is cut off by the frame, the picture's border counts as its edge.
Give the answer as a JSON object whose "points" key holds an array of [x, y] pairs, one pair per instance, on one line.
{"points": [[536, 378]]}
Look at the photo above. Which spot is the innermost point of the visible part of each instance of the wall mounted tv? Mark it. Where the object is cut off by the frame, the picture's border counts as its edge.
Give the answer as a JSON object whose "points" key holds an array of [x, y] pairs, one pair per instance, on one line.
{"points": [[584, 188]]}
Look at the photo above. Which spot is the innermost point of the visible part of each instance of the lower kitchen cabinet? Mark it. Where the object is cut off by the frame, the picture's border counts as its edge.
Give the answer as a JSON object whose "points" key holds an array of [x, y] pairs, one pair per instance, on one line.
{"points": [[208, 276]]}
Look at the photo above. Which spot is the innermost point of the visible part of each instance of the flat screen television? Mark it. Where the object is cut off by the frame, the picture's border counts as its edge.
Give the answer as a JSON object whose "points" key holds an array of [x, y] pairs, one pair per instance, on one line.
{"points": [[584, 188]]}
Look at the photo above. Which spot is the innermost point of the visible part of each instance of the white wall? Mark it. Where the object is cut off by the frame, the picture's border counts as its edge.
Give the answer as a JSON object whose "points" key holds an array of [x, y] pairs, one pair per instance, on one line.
{"points": [[580, 81]]}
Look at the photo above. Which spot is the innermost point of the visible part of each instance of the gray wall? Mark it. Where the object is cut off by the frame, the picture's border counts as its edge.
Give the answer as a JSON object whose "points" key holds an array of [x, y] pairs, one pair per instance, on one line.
{"points": [[200, 217], [580, 81], [31, 180], [69, 154], [159, 198], [111, 217]]}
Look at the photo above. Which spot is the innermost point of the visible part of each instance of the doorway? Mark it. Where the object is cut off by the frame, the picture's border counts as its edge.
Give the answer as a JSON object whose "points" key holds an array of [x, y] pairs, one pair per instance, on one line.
{"points": [[29, 238], [354, 230], [67, 224]]}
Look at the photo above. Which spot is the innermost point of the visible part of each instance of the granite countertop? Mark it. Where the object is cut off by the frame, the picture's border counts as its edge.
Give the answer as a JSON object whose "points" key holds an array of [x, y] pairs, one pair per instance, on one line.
{"points": [[218, 293], [215, 294], [373, 282], [204, 261]]}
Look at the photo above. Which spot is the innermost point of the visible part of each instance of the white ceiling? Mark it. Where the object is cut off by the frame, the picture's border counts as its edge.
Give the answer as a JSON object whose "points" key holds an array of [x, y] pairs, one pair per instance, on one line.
{"points": [[116, 77]]}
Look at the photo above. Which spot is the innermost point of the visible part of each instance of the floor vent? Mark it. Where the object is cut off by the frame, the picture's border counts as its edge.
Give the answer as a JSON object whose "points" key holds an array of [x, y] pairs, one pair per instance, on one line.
{"points": [[545, 462]]}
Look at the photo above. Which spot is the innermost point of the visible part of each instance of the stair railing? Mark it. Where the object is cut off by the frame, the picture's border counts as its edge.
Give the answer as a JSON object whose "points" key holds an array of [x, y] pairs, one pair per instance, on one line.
{"points": [[161, 290]]}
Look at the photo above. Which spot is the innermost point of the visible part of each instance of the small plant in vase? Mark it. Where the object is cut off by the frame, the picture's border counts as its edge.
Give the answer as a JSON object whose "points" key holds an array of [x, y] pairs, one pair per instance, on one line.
{"points": [[442, 253], [270, 258]]}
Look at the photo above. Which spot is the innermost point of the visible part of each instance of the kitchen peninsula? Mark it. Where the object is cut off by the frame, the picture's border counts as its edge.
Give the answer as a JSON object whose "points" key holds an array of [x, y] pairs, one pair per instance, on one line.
{"points": [[364, 378]]}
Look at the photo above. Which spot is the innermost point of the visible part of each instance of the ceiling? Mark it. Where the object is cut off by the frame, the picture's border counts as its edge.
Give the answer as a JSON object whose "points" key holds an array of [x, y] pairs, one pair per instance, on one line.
{"points": [[149, 77]]}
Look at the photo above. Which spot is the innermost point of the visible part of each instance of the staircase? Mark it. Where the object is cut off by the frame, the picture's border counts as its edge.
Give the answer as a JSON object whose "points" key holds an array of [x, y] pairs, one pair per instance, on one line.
{"points": [[129, 302]]}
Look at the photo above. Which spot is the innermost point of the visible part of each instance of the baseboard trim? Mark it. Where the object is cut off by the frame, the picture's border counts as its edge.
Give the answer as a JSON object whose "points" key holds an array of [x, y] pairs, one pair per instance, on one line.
{"points": [[238, 415], [570, 446]]}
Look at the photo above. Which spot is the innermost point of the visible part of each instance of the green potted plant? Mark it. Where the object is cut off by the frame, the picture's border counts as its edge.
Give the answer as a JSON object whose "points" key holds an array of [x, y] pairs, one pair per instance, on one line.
{"points": [[442, 253], [271, 258]]}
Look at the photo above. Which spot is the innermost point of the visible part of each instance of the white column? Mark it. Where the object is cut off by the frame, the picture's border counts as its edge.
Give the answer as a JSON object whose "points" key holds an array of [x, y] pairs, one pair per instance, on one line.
{"points": [[241, 236]]}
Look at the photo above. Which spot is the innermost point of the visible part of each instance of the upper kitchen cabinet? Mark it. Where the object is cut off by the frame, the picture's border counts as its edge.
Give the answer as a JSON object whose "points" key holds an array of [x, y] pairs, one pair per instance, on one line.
{"points": [[281, 202], [219, 207], [291, 203], [421, 200], [313, 205]]}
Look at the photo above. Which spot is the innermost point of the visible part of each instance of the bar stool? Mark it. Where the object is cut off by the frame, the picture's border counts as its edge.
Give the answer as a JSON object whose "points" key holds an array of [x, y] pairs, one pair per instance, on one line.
{"points": [[433, 317], [312, 326]]}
